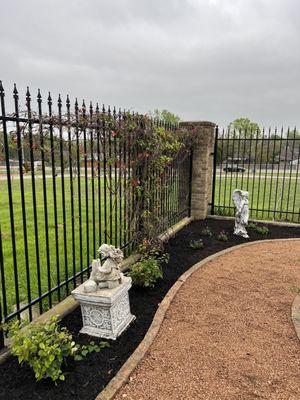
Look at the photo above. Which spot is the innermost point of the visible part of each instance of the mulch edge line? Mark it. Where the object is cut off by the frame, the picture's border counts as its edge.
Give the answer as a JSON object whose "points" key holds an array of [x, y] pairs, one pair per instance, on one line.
{"points": [[123, 375]]}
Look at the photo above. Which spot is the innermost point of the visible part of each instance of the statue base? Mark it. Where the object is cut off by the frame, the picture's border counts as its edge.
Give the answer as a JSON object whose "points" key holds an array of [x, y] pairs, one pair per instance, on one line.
{"points": [[106, 312]]}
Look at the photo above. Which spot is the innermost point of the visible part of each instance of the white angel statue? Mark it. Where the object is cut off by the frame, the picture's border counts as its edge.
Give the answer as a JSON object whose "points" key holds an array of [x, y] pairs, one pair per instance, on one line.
{"points": [[240, 200], [107, 275]]}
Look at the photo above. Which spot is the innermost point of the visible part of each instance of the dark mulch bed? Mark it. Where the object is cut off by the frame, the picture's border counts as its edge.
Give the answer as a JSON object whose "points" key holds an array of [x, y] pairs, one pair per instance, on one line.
{"points": [[90, 376]]}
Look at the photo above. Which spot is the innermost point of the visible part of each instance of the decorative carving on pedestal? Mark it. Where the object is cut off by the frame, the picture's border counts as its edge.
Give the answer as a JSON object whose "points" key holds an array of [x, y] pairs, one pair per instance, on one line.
{"points": [[240, 200], [120, 310], [97, 318], [104, 298]]}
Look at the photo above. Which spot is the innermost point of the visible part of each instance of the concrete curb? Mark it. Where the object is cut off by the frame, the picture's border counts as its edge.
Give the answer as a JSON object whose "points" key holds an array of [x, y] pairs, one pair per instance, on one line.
{"points": [[69, 304], [259, 221], [170, 232], [123, 375]]}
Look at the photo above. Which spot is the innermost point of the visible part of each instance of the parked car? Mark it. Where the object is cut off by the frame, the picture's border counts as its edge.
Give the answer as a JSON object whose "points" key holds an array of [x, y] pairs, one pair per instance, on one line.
{"points": [[233, 168]]}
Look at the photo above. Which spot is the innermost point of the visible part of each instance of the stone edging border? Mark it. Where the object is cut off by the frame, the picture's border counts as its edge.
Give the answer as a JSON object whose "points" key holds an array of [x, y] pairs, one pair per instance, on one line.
{"points": [[123, 375], [296, 315]]}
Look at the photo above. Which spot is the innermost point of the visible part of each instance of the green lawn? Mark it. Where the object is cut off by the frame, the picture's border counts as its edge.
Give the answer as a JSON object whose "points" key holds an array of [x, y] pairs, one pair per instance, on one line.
{"points": [[68, 261], [72, 260], [265, 193]]}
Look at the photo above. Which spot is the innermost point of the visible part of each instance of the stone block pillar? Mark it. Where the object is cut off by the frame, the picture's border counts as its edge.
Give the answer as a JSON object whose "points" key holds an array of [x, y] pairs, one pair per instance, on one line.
{"points": [[202, 171]]}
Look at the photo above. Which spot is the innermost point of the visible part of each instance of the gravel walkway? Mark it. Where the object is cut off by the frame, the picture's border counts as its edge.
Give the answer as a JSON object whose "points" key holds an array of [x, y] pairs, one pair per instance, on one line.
{"points": [[228, 334]]}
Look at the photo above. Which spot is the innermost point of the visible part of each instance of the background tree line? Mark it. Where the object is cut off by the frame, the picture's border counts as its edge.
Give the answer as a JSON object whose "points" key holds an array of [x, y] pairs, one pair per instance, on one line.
{"points": [[243, 141]]}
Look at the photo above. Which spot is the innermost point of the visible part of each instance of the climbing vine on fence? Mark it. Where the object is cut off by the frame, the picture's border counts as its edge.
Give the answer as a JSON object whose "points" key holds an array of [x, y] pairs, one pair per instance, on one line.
{"points": [[140, 148]]}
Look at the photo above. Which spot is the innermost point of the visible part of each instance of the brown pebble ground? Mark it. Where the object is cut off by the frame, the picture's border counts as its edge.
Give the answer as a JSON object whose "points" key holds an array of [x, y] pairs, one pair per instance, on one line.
{"points": [[228, 334]]}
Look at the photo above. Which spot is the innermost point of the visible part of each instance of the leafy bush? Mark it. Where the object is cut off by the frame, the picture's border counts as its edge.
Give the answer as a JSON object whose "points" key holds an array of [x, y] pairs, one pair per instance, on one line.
{"points": [[206, 232], [196, 244], [46, 347], [262, 230], [84, 350], [222, 236], [146, 272], [154, 248], [43, 346]]}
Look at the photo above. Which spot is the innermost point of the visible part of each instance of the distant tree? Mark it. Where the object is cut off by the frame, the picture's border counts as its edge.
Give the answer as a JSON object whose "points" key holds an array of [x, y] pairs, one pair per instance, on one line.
{"points": [[244, 127], [165, 116], [229, 150]]}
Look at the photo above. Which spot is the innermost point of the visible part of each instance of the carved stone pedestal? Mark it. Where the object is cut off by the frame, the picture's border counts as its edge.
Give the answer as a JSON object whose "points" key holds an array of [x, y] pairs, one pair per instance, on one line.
{"points": [[106, 312]]}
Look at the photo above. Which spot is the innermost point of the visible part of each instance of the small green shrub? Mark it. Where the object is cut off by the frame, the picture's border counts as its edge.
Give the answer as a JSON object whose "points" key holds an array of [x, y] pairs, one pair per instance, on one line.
{"points": [[154, 249], [46, 347], [84, 350], [146, 272], [206, 232], [261, 230], [222, 236], [43, 346], [196, 244]]}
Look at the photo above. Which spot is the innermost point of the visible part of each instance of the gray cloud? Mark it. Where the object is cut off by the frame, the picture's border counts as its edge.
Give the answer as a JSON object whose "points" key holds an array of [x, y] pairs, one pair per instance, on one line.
{"points": [[202, 59]]}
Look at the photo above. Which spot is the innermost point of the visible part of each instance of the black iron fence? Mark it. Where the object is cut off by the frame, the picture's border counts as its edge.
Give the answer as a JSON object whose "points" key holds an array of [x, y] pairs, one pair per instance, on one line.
{"points": [[70, 179], [263, 162]]}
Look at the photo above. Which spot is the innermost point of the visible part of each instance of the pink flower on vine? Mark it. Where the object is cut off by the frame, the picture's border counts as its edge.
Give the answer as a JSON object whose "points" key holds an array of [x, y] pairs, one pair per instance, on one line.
{"points": [[135, 182]]}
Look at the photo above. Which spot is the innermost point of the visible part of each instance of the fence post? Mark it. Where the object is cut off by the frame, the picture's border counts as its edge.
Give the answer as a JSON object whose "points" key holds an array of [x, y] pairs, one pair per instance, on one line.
{"points": [[202, 167], [215, 156]]}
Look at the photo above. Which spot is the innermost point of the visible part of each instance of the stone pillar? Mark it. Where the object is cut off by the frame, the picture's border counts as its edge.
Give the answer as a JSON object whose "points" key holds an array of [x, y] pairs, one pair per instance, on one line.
{"points": [[202, 171]]}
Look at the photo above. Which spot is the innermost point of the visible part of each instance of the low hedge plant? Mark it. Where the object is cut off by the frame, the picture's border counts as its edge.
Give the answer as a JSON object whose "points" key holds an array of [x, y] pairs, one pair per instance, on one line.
{"points": [[196, 244], [222, 236], [46, 347], [146, 272], [261, 230]]}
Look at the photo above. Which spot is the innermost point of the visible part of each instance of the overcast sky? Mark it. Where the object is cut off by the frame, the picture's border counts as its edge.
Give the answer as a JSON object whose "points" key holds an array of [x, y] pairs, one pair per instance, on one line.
{"points": [[213, 60]]}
